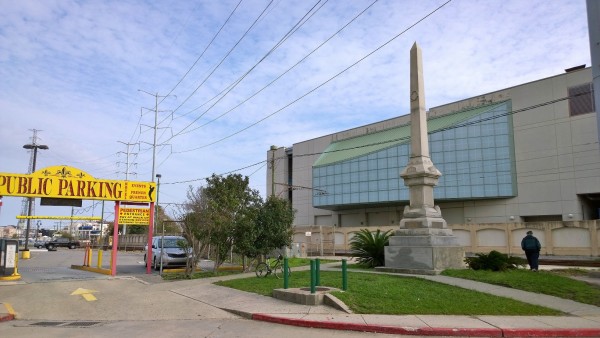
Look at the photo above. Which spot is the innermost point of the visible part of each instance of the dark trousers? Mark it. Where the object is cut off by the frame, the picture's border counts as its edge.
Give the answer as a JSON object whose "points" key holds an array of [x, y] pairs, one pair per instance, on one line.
{"points": [[532, 259]]}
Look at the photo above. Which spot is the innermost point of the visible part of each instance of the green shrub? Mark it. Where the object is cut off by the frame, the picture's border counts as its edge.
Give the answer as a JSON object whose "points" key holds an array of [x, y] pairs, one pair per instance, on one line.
{"points": [[368, 247], [494, 261]]}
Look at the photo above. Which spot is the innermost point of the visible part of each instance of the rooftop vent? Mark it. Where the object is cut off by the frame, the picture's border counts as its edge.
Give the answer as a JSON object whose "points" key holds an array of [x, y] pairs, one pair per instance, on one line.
{"points": [[572, 69]]}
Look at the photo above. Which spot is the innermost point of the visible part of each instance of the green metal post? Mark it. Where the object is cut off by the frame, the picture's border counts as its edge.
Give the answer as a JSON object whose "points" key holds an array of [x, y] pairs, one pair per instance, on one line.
{"points": [[286, 278], [318, 272], [313, 288], [344, 275]]}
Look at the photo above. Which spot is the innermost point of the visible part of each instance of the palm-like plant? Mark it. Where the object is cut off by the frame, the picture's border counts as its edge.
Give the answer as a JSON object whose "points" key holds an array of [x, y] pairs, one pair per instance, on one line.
{"points": [[368, 247]]}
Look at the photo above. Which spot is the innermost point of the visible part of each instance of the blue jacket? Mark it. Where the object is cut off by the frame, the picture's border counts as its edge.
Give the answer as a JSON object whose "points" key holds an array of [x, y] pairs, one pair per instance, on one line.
{"points": [[530, 243]]}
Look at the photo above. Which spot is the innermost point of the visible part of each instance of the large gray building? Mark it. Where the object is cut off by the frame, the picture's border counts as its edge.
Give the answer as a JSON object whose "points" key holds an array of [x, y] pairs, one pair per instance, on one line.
{"points": [[528, 153]]}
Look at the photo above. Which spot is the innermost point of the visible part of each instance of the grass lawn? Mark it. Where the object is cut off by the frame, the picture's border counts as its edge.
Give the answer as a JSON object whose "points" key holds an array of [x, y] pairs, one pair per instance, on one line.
{"points": [[395, 295], [545, 282]]}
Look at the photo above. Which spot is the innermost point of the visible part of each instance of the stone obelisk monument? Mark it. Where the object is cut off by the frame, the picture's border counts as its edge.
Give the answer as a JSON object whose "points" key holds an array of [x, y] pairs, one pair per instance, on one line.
{"points": [[424, 244]]}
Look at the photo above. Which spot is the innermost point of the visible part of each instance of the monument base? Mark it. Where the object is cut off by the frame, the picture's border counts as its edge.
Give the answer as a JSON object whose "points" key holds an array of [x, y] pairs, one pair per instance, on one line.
{"points": [[423, 252]]}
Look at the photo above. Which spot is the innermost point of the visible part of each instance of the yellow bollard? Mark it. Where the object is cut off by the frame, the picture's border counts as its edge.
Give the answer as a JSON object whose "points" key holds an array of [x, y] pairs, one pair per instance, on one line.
{"points": [[25, 254], [99, 258]]}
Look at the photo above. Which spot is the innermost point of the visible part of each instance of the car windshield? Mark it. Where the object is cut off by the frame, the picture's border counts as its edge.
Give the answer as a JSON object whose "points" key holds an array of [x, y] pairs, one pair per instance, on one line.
{"points": [[171, 242]]}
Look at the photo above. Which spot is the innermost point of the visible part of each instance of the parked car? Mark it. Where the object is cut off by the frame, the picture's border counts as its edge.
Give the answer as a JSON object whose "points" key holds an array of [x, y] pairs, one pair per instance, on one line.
{"points": [[62, 242], [39, 244], [173, 255]]}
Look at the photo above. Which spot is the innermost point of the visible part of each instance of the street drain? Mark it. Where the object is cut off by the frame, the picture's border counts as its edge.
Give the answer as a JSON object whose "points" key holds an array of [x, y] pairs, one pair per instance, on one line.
{"points": [[81, 324], [47, 323], [65, 324]]}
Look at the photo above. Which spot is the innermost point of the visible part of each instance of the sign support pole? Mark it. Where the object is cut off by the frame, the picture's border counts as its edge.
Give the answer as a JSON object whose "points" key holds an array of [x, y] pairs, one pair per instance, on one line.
{"points": [[150, 232], [115, 244]]}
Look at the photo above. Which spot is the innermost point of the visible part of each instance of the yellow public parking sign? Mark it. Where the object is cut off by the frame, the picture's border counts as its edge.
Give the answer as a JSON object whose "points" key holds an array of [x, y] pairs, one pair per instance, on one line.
{"points": [[72, 183]]}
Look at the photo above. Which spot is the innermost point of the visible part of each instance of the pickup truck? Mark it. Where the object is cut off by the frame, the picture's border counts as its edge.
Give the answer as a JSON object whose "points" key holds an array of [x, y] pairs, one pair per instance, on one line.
{"points": [[62, 242]]}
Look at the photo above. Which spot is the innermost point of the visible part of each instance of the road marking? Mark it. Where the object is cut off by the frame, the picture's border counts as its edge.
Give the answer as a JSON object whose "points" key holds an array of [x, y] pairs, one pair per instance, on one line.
{"points": [[85, 293]]}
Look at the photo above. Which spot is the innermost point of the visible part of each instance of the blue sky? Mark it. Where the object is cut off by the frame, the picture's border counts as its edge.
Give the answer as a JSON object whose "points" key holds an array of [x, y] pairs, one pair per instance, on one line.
{"points": [[85, 73]]}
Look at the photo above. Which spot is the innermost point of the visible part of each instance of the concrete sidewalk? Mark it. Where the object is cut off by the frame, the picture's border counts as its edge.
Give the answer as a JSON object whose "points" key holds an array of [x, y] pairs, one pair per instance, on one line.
{"points": [[582, 320]]}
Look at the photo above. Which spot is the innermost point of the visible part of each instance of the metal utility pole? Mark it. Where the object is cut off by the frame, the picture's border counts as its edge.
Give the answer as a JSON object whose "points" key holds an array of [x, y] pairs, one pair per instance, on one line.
{"points": [[32, 146]]}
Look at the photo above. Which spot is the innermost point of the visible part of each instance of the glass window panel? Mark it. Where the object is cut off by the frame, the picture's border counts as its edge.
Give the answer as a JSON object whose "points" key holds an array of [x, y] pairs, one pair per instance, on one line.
{"points": [[373, 196], [392, 162], [491, 190], [449, 145], [382, 185], [487, 129], [394, 184], [355, 198], [330, 170], [316, 181], [505, 190], [403, 149], [372, 175], [393, 151], [393, 173], [354, 187], [462, 167], [503, 165], [393, 195], [354, 166], [490, 178], [462, 144], [450, 180], [337, 169], [345, 167], [435, 136], [337, 189], [475, 155], [451, 192], [449, 168], [372, 156], [337, 179], [464, 179], [346, 188], [382, 154], [490, 167], [461, 132], [363, 186], [354, 177], [502, 152], [439, 192], [363, 176], [372, 165], [449, 157], [382, 163], [345, 178], [382, 174], [437, 158], [477, 190], [474, 143], [462, 156], [338, 199], [363, 165], [464, 191], [487, 142], [383, 196], [474, 131], [372, 185], [488, 154], [475, 167], [404, 195], [504, 178], [436, 146], [448, 134], [364, 197], [346, 198]]}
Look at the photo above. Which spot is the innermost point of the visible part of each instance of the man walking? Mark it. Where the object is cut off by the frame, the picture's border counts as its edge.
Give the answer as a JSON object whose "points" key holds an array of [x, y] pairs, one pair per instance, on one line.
{"points": [[532, 247]]}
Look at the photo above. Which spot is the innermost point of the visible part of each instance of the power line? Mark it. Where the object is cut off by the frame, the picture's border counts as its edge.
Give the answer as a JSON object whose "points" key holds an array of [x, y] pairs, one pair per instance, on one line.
{"points": [[321, 85]]}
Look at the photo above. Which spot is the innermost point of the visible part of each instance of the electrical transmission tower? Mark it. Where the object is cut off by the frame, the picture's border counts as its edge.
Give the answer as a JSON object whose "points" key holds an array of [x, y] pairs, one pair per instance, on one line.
{"points": [[128, 153]]}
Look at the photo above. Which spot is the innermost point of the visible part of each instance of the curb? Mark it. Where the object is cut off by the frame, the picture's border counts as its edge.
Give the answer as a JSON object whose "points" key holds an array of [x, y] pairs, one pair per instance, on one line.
{"points": [[8, 315], [431, 331]]}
